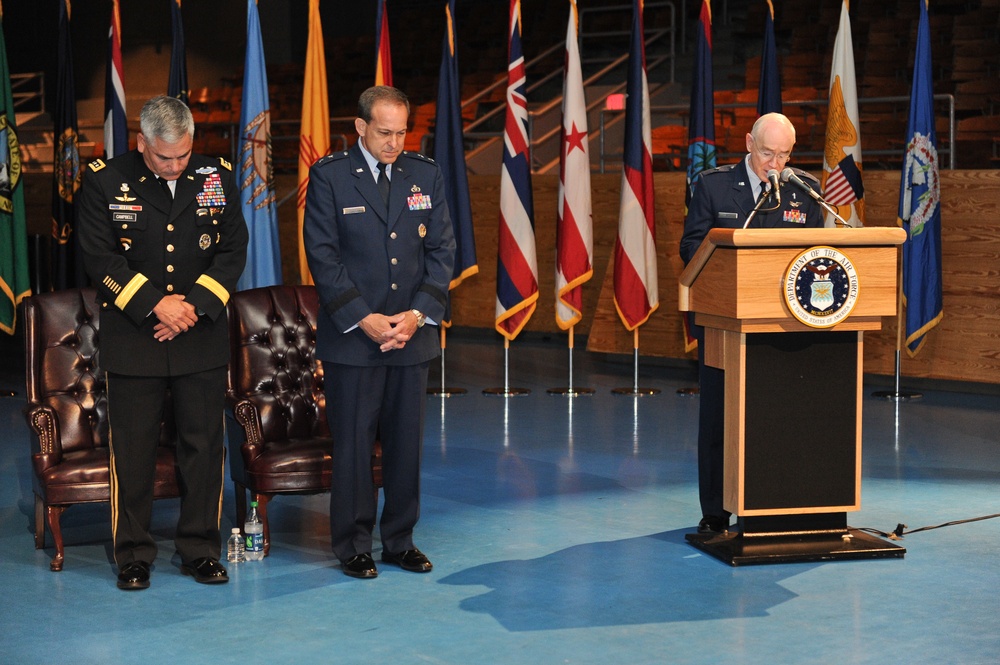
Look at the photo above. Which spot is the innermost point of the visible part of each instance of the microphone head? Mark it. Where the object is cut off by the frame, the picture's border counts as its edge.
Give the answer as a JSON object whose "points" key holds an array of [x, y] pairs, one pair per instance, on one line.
{"points": [[772, 175], [787, 173]]}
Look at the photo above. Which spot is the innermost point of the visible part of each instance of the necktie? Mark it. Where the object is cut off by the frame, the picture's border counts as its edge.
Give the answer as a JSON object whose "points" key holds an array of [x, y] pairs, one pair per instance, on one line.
{"points": [[383, 183], [166, 186]]}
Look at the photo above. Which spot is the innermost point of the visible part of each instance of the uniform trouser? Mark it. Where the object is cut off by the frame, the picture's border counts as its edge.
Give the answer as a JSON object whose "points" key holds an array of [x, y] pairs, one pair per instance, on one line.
{"points": [[135, 410], [363, 402], [711, 432]]}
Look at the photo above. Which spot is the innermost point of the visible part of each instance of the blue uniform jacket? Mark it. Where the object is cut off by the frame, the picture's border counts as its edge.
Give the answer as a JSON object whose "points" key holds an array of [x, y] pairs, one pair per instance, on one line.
{"points": [[723, 198], [364, 259]]}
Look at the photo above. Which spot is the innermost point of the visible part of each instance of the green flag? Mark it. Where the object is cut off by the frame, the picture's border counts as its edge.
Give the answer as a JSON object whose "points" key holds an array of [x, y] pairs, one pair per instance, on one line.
{"points": [[13, 236]]}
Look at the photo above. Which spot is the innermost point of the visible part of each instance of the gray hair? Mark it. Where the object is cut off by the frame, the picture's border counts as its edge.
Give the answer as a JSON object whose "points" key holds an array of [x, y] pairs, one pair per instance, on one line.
{"points": [[167, 119], [771, 118], [380, 93]]}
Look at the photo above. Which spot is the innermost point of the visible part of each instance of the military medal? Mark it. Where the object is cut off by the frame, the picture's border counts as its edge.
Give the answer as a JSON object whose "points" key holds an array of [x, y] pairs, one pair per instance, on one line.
{"points": [[422, 230], [125, 198], [205, 241], [211, 194]]}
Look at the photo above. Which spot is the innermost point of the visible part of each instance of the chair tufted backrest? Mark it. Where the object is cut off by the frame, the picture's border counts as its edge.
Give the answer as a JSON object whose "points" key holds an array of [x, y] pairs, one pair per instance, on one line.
{"points": [[272, 340], [62, 331]]}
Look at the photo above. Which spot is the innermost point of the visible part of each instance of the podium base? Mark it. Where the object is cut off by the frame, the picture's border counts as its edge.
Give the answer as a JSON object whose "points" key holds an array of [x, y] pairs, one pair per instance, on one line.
{"points": [[446, 392], [738, 549]]}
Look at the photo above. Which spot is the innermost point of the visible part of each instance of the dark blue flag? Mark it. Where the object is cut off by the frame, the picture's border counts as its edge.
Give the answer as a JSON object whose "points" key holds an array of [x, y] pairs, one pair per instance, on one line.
{"points": [[66, 272], [701, 131], [920, 201], [769, 93], [177, 86], [449, 153]]}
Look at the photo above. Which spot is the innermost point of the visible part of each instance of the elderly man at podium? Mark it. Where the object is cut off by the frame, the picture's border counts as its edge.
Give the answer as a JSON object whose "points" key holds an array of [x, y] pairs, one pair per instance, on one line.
{"points": [[747, 194]]}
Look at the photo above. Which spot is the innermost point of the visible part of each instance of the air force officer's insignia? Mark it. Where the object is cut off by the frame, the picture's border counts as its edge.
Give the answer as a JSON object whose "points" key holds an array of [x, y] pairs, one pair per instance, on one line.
{"points": [[205, 241], [422, 230]]}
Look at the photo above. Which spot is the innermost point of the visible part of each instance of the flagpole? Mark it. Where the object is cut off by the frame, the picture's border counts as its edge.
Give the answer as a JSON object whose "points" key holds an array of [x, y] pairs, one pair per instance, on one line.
{"points": [[898, 395], [635, 390], [570, 391], [506, 391], [443, 391]]}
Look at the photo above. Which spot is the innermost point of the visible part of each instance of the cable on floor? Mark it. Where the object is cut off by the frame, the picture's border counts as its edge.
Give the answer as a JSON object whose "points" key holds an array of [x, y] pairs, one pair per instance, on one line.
{"points": [[900, 530]]}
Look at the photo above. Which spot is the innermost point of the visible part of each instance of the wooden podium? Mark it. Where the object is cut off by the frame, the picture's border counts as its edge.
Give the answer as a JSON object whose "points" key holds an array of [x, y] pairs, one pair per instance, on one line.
{"points": [[784, 312]]}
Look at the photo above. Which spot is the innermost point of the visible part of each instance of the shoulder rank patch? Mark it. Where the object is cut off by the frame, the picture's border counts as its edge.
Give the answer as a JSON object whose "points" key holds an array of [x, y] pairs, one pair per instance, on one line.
{"points": [[97, 165], [417, 155], [226, 165]]}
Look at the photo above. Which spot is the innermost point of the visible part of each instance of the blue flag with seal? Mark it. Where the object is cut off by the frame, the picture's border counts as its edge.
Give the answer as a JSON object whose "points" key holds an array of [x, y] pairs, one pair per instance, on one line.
{"points": [[254, 168], [920, 202], [701, 131]]}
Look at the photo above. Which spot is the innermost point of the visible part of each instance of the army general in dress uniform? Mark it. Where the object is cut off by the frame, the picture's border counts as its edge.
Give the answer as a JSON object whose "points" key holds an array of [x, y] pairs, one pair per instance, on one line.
{"points": [[164, 241], [724, 198], [380, 246]]}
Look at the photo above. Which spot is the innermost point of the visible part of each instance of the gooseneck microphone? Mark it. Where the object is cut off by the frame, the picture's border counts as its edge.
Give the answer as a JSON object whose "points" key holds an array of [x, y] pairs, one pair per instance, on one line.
{"points": [[788, 175], [772, 177]]}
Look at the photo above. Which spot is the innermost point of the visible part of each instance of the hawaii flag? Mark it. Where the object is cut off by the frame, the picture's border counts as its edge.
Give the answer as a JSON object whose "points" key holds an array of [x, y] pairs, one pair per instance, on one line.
{"points": [[636, 294], [517, 270], [115, 125], [841, 180], [383, 59], [314, 134], [574, 232], [920, 202]]}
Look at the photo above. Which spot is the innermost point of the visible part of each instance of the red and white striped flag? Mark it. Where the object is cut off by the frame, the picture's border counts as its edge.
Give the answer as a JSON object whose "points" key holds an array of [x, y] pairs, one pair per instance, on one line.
{"points": [[517, 269], [574, 227], [636, 295]]}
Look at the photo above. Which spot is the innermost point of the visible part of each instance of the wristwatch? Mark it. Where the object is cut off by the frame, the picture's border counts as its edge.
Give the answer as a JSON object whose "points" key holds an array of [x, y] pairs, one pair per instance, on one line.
{"points": [[421, 319]]}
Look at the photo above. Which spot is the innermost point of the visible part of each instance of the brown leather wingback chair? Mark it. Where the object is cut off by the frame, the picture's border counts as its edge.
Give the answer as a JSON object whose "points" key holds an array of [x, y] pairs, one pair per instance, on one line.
{"points": [[67, 411], [281, 444]]}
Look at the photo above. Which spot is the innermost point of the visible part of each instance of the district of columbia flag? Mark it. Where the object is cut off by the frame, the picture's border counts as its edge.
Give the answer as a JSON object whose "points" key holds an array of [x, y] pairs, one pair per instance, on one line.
{"points": [[115, 122], [449, 153], [383, 57], [574, 226], [255, 173], [14, 282], [841, 180], [314, 135], [920, 202], [67, 268], [769, 91], [635, 277], [177, 84], [517, 269]]}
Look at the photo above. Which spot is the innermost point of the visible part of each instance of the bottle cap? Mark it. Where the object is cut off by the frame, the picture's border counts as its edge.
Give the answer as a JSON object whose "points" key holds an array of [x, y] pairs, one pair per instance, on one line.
{"points": [[236, 529]]}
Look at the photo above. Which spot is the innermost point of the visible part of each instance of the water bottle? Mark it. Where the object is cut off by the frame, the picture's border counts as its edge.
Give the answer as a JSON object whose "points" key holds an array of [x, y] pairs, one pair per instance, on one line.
{"points": [[235, 548], [254, 531]]}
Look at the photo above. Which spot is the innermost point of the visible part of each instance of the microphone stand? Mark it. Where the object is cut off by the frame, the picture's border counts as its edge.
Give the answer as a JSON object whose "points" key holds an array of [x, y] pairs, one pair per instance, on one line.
{"points": [[833, 211], [760, 201]]}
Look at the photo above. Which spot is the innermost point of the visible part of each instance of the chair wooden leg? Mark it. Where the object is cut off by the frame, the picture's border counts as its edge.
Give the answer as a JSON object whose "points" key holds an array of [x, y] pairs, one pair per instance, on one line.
{"points": [[262, 500], [54, 514], [39, 523]]}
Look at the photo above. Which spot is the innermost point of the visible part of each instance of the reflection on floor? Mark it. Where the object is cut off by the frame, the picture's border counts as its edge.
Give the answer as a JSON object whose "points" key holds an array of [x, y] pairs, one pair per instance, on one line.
{"points": [[556, 526]]}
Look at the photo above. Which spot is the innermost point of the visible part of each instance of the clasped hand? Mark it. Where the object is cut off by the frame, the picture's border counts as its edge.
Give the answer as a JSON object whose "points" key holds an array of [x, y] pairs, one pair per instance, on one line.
{"points": [[390, 332], [175, 316]]}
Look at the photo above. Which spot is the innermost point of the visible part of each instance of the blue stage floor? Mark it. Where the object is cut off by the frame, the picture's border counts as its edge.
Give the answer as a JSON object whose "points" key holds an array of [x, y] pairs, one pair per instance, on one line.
{"points": [[556, 526]]}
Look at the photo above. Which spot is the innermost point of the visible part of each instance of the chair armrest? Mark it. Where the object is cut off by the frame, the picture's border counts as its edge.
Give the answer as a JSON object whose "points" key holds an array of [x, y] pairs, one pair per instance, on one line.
{"points": [[42, 420], [248, 416]]}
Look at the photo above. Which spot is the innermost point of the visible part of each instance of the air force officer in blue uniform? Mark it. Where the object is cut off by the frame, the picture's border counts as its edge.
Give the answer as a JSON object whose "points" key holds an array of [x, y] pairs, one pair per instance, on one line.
{"points": [[380, 246], [724, 198]]}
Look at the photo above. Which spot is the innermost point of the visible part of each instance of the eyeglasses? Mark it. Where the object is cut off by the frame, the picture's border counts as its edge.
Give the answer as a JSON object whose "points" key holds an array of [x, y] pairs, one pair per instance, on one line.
{"points": [[770, 155]]}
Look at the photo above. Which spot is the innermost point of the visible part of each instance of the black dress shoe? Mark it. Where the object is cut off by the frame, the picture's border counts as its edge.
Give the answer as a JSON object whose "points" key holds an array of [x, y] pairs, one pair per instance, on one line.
{"points": [[134, 576], [713, 524], [206, 570], [361, 566], [412, 560]]}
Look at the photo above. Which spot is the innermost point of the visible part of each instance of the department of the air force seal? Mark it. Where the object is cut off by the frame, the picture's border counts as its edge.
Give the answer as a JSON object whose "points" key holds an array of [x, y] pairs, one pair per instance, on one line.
{"points": [[821, 287]]}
